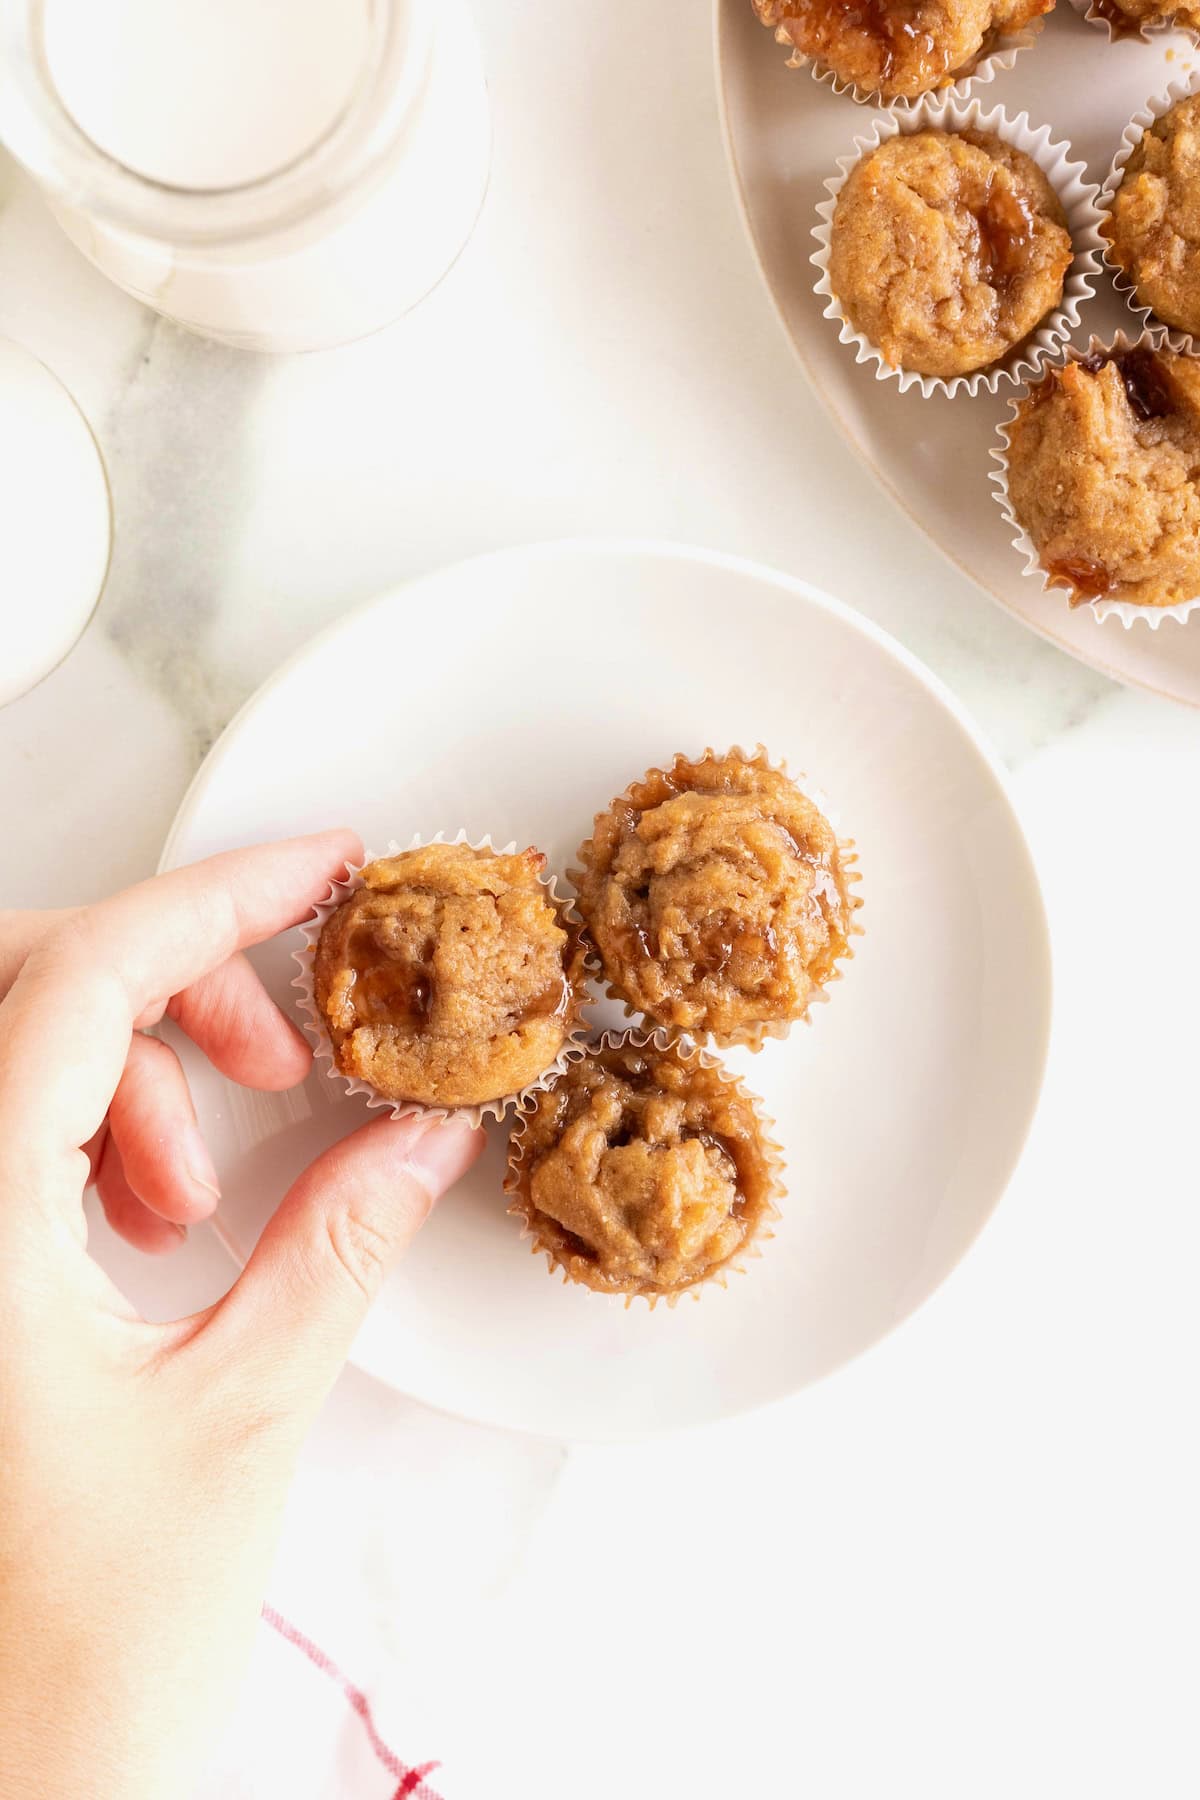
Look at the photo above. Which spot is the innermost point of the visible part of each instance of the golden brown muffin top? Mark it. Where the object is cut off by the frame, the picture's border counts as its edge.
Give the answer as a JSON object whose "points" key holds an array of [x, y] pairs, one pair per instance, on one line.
{"points": [[716, 896], [1127, 17], [947, 249], [1154, 226], [1103, 462], [897, 50], [449, 977], [643, 1171]]}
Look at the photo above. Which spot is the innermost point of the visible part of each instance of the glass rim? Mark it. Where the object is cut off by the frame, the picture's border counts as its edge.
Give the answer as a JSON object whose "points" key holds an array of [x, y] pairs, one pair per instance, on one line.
{"points": [[41, 134], [110, 503]]}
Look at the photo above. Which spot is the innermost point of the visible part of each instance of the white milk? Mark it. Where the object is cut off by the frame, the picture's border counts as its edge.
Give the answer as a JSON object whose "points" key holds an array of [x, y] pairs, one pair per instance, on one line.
{"points": [[205, 93], [278, 219], [55, 524]]}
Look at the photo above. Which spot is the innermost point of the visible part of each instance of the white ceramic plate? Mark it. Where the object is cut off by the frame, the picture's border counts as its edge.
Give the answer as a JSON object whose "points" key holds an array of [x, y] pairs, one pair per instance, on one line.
{"points": [[784, 133], [517, 694]]}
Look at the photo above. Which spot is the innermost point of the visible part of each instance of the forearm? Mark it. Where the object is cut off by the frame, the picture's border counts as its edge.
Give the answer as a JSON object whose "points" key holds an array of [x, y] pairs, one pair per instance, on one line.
{"points": [[55, 1738], [118, 1708], [117, 1671]]}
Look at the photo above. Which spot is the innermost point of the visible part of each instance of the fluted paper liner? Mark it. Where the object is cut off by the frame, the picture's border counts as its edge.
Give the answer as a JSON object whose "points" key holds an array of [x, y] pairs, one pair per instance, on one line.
{"points": [[751, 1036], [314, 1024], [1138, 31], [1124, 610], [1070, 183], [772, 1153], [1156, 329], [1000, 51]]}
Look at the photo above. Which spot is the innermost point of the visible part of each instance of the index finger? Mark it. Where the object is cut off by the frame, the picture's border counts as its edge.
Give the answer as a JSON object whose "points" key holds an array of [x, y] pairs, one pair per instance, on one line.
{"points": [[66, 1022], [19, 932]]}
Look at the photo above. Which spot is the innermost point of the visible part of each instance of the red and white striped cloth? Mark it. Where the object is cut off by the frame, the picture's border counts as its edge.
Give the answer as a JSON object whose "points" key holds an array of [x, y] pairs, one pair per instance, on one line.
{"points": [[400, 1527], [304, 1727]]}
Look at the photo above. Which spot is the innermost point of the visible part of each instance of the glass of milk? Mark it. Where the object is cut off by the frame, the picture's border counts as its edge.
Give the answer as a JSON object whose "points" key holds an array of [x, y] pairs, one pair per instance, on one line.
{"points": [[278, 174], [55, 522]]}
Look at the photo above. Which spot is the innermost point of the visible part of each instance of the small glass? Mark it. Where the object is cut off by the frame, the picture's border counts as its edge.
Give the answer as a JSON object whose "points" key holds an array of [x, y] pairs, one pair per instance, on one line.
{"points": [[350, 234], [55, 522]]}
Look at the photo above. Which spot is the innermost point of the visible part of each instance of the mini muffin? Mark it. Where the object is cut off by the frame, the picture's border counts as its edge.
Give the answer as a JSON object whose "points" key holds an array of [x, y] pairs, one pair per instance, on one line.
{"points": [[1131, 18], [643, 1169], [896, 48], [449, 977], [1104, 475], [947, 249], [1153, 227], [717, 896]]}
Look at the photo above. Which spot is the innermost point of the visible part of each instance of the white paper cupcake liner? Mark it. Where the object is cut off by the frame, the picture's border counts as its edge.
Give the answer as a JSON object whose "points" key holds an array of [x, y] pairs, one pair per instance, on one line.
{"points": [[1139, 32], [752, 1037], [314, 1025], [1157, 329], [1124, 610], [772, 1152], [1069, 180], [997, 56]]}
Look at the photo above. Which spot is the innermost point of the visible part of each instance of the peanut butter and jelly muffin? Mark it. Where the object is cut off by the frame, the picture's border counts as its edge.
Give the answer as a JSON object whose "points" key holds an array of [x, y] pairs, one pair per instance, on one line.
{"points": [[1153, 227], [717, 896], [1132, 18], [449, 977], [896, 48], [643, 1169], [1104, 475], [947, 249]]}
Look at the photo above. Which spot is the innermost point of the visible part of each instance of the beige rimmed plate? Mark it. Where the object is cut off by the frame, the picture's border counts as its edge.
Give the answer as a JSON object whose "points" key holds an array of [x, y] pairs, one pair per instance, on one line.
{"points": [[784, 133], [517, 694]]}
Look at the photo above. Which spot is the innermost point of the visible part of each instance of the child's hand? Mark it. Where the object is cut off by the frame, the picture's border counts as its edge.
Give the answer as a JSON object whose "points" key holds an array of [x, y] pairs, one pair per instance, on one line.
{"points": [[143, 1467]]}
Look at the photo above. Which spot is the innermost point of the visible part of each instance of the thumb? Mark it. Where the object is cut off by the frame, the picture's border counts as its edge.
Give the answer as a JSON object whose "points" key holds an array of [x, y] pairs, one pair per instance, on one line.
{"points": [[323, 1257]]}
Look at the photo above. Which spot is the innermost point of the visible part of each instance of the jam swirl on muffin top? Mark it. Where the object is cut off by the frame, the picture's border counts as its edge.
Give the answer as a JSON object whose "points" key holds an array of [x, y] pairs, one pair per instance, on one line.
{"points": [[450, 977], [947, 250], [642, 1170], [717, 896], [897, 48], [1104, 475]]}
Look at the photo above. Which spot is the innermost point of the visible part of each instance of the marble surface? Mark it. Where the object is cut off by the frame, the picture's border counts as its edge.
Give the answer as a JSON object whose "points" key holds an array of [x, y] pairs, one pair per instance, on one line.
{"points": [[966, 1565]]}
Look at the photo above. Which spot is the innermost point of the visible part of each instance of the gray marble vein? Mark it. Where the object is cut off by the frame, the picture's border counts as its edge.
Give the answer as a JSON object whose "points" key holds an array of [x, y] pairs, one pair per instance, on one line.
{"points": [[182, 479]]}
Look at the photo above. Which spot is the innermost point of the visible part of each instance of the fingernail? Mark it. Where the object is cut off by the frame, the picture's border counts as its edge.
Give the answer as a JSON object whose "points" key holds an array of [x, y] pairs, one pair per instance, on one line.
{"points": [[198, 1163], [442, 1154]]}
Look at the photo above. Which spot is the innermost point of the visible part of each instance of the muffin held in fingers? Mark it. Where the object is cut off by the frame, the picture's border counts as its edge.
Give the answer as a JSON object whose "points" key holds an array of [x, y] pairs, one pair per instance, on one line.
{"points": [[1103, 477], [896, 49], [718, 897], [947, 250], [644, 1169], [450, 977]]}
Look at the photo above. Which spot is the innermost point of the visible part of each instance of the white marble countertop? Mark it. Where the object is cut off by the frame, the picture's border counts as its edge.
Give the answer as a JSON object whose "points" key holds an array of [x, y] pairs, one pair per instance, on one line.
{"points": [[967, 1564]]}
